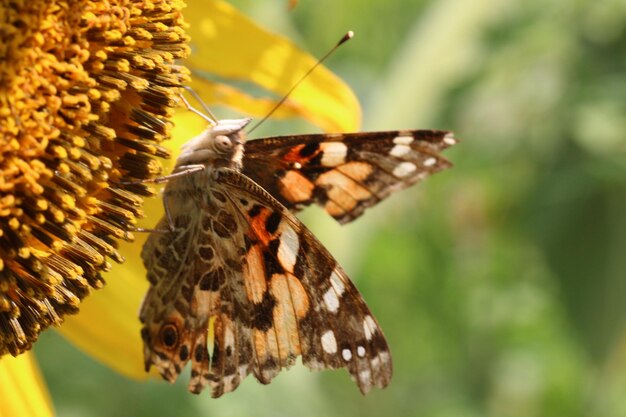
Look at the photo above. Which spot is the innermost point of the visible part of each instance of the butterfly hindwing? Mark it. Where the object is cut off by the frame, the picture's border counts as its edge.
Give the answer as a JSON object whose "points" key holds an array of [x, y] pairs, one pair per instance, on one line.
{"points": [[193, 266], [344, 173], [165, 310]]}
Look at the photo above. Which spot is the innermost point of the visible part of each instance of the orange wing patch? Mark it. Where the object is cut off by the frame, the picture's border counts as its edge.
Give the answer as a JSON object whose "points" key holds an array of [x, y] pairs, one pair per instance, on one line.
{"points": [[356, 170], [289, 292], [300, 154], [258, 221], [343, 192], [295, 187], [254, 277], [266, 350], [287, 312]]}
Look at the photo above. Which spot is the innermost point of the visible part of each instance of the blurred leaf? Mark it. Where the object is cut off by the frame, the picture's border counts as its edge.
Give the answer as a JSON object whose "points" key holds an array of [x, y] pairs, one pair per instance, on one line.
{"points": [[579, 222]]}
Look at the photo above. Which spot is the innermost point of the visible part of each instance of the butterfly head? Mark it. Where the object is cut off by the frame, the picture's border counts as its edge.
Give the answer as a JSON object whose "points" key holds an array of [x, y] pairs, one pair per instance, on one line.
{"points": [[219, 146]]}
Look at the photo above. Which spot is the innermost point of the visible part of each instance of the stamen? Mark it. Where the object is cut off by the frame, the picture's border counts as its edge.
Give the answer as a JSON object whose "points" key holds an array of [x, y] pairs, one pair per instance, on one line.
{"points": [[84, 102]]}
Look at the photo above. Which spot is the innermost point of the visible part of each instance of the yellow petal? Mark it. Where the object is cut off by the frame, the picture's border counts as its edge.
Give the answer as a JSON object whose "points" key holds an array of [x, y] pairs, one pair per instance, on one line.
{"points": [[232, 46], [186, 126], [22, 391], [226, 95]]}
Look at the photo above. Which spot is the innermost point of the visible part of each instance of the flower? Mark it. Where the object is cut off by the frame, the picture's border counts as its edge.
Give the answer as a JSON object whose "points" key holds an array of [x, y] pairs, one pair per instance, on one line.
{"points": [[87, 96], [88, 88]]}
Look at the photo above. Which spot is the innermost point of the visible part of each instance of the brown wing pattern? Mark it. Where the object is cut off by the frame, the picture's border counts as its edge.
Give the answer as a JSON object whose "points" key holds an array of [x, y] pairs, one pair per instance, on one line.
{"points": [[344, 173], [169, 321], [242, 286], [302, 301], [194, 272]]}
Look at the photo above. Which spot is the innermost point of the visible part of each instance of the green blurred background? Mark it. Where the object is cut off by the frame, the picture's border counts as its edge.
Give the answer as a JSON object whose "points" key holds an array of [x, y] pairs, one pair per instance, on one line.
{"points": [[500, 284]]}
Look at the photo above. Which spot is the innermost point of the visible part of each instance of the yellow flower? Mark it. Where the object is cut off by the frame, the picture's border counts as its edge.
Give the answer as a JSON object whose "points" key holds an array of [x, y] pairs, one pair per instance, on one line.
{"points": [[86, 93]]}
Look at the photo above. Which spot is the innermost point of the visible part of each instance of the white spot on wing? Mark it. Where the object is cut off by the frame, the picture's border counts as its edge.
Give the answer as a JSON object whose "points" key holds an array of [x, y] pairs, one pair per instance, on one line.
{"points": [[449, 139], [403, 140], [288, 248], [430, 162], [332, 295], [403, 169], [334, 153], [331, 301], [329, 344], [399, 150], [229, 337], [360, 350], [369, 327], [346, 354], [337, 283]]}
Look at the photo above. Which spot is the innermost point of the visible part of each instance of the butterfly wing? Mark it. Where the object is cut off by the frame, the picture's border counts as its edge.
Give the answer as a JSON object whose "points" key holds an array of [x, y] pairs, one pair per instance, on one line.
{"points": [[165, 310], [194, 269], [302, 302], [344, 173], [247, 288]]}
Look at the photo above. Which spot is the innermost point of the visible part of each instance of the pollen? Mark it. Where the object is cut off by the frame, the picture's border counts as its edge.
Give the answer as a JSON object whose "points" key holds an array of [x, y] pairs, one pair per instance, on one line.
{"points": [[86, 92]]}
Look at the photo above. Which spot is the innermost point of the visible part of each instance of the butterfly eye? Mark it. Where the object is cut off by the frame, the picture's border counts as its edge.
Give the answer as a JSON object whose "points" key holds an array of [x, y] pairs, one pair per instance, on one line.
{"points": [[223, 142], [169, 335]]}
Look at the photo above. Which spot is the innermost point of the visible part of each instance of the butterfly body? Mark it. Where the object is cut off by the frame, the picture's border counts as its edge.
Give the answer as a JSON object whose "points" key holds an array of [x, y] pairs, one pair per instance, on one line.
{"points": [[239, 285]]}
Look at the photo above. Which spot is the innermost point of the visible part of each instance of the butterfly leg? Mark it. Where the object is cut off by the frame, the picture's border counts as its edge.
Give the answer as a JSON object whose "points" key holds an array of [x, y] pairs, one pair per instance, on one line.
{"points": [[168, 213], [146, 230], [168, 216]]}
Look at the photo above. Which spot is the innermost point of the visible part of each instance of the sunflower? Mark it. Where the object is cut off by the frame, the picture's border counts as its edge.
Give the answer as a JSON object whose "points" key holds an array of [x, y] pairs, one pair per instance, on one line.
{"points": [[88, 91]]}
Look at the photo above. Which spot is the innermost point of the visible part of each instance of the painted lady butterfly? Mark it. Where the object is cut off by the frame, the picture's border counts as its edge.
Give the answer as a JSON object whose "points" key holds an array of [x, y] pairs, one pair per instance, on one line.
{"points": [[238, 284]]}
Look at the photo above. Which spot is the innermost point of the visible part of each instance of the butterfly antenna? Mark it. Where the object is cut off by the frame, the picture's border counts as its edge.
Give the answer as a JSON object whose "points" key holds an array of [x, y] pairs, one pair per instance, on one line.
{"points": [[210, 118], [343, 40]]}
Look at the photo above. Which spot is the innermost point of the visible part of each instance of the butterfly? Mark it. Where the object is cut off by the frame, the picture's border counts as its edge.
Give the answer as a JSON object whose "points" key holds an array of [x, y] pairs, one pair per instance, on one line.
{"points": [[239, 285]]}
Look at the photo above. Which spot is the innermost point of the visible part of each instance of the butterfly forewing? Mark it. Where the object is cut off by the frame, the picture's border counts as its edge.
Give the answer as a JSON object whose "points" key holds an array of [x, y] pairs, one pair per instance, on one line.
{"points": [[344, 173], [315, 310]]}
